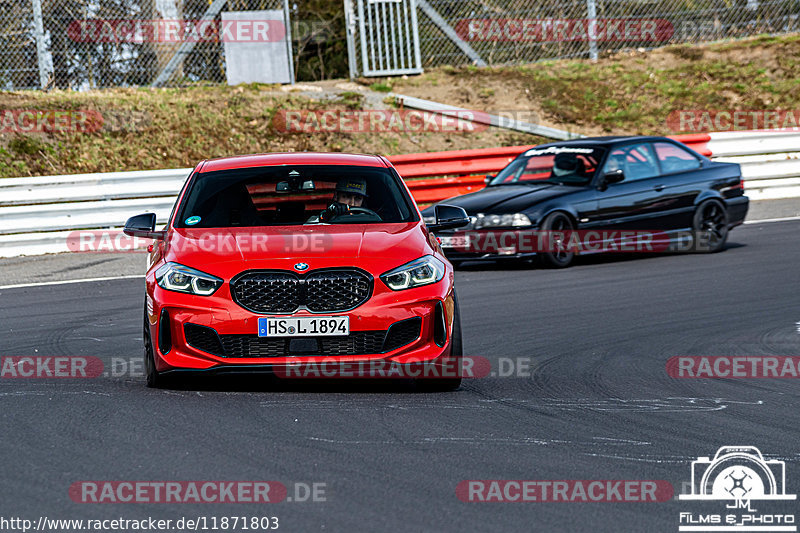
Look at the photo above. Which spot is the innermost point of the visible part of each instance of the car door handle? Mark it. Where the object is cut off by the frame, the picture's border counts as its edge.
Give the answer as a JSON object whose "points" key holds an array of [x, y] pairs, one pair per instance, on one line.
{"points": [[659, 188]]}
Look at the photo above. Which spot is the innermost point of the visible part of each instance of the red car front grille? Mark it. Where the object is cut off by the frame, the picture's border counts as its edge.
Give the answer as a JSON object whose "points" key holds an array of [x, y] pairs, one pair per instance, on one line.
{"points": [[357, 343], [320, 291]]}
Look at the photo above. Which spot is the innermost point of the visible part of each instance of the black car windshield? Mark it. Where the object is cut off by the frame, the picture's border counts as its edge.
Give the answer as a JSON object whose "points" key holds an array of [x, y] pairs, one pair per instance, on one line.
{"points": [[566, 165], [289, 195]]}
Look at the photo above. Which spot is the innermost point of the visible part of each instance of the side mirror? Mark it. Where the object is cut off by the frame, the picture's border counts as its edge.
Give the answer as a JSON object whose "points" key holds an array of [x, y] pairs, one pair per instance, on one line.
{"points": [[615, 176], [448, 217], [143, 226], [488, 179]]}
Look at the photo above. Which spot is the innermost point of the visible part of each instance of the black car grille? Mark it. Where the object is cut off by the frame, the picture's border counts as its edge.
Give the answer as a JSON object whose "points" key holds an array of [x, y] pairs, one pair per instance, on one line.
{"points": [[357, 343], [320, 291]]}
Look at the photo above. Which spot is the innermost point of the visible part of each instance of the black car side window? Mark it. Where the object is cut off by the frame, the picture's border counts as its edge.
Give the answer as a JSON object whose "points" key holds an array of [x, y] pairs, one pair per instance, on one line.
{"points": [[673, 158], [636, 161]]}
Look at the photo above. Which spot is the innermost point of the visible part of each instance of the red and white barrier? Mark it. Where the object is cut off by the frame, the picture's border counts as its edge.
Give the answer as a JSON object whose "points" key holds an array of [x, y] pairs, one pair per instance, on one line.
{"points": [[770, 159], [37, 213]]}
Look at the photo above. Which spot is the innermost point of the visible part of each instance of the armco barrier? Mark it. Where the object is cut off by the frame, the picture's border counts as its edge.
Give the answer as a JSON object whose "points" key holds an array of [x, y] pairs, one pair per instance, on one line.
{"points": [[37, 213]]}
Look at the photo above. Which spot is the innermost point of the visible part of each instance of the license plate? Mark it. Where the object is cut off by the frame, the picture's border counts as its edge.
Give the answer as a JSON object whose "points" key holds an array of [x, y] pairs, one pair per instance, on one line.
{"points": [[455, 241], [326, 326]]}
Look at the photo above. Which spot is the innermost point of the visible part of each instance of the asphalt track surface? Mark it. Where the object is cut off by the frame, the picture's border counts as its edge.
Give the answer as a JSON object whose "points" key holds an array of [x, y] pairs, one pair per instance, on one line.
{"points": [[598, 403]]}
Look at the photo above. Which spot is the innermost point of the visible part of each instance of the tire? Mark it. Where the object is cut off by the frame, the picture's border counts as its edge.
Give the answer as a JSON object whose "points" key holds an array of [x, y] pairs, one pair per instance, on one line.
{"points": [[558, 221], [711, 216], [456, 350], [155, 379]]}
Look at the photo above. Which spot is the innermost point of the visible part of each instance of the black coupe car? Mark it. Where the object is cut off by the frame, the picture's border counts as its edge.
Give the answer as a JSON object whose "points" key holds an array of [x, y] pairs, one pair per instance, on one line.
{"points": [[603, 190]]}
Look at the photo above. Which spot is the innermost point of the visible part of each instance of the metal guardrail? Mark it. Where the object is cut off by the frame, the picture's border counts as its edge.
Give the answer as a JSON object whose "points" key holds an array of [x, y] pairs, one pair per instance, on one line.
{"points": [[37, 214], [480, 117]]}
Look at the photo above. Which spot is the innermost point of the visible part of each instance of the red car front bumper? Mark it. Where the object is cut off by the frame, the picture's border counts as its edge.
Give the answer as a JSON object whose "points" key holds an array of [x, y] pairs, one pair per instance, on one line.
{"points": [[169, 311]]}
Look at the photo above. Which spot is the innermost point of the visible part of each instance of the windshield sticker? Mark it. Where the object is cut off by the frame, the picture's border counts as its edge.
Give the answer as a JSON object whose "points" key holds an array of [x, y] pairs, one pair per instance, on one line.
{"points": [[558, 150], [191, 221]]}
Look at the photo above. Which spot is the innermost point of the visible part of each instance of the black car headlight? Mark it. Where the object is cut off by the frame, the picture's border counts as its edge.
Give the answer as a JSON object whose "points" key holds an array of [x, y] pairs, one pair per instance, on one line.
{"points": [[422, 271], [513, 220], [180, 278]]}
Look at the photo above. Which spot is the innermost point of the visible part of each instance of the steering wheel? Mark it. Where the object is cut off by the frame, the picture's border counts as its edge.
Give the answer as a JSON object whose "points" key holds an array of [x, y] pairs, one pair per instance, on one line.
{"points": [[364, 211], [356, 211]]}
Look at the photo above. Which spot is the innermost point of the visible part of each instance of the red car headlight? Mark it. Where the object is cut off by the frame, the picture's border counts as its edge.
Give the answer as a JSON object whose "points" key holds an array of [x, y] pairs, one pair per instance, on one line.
{"points": [[422, 271], [180, 278]]}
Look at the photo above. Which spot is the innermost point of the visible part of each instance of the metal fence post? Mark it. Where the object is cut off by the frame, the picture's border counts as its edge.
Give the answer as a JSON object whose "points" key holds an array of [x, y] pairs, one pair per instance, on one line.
{"points": [[288, 22], [350, 29], [591, 27], [40, 46]]}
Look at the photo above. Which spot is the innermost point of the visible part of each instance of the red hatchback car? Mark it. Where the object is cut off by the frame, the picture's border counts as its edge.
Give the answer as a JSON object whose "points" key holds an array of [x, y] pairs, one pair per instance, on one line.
{"points": [[290, 261]]}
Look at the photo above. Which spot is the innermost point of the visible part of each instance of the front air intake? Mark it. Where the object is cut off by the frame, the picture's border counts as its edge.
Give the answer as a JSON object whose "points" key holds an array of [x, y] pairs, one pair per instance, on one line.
{"points": [[164, 333], [439, 325]]}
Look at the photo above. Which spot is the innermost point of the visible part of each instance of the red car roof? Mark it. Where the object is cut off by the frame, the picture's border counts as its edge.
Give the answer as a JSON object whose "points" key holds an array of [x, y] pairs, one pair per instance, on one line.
{"points": [[291, 158]]}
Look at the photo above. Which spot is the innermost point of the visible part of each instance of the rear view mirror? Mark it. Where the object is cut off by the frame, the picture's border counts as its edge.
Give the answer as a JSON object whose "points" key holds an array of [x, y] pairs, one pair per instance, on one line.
{"points": [[488, 179], [448, 217], [293, 185], [143, 226]]}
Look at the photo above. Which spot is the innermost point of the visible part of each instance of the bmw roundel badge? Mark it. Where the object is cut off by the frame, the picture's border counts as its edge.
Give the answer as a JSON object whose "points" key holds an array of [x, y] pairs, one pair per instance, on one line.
{"points": [[301, 267]]}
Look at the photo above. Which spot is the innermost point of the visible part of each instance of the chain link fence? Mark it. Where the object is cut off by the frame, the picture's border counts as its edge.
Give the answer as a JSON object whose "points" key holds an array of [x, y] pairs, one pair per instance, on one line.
{"points": [[497, 32], [451, 32], [88, 44]]}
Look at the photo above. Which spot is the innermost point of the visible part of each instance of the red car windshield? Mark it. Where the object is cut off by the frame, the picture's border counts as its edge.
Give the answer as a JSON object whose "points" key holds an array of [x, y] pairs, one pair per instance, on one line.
{"points": [[289, 195]]}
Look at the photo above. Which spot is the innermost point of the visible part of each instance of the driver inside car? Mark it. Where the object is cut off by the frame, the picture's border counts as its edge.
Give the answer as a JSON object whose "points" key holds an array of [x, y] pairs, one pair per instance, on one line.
{"points": [[567, 165], [350, 192]]}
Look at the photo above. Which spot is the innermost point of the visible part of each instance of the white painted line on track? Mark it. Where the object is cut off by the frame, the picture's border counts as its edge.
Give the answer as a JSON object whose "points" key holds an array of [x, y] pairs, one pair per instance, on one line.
{"points": [[765, 220], [67, 281]]}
